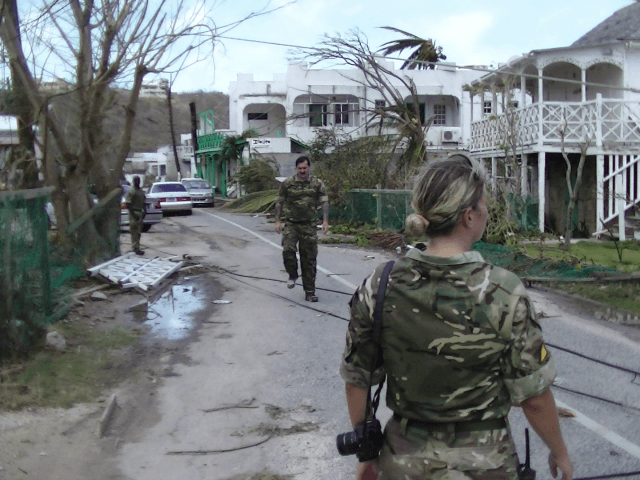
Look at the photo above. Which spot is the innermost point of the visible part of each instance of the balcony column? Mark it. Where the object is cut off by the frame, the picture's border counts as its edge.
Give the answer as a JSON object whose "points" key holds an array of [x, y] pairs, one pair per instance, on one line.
{"points": [[524, 176], [621, 202], [494, 173], [599, 192], [583, 86], [523, 91], [471, 104], [540, 114], [542, 166]]}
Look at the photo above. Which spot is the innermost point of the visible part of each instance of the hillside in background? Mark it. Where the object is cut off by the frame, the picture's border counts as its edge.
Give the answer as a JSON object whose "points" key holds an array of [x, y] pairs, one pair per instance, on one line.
{"points": [[151, 129]]}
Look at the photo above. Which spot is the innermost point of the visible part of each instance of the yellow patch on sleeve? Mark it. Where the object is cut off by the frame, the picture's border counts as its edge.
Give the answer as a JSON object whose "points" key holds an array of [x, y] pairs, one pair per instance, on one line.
{"points": [[543, 353]]}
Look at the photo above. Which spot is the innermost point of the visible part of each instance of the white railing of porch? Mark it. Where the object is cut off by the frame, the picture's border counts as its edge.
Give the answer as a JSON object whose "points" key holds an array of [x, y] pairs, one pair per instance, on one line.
{"points": [[609, 121], [620, 188]]}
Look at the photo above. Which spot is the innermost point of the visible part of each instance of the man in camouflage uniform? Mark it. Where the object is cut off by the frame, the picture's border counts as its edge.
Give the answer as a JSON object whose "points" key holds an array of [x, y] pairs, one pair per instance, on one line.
{"points": [[460, 343], [135, 201], [300, 196]]}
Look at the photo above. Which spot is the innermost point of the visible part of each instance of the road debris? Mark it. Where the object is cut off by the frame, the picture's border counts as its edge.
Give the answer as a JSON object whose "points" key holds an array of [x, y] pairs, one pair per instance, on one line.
{"points": [[130, 271], [242, 404]]}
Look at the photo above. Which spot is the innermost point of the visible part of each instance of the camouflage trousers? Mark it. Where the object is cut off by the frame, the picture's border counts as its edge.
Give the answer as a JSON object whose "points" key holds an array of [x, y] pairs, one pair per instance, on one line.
{"points": [[420, 455], [135, 227], [305, 237]]}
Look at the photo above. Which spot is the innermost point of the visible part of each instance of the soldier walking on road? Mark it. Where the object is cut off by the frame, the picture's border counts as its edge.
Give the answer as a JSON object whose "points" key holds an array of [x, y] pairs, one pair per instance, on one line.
{"points": [[459, 343], [300, 195], [135, 201]]}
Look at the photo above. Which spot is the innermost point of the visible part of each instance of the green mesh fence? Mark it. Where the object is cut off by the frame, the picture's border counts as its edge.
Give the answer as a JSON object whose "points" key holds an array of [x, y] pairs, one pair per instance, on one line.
{"points": [[510, 259], [387, 209], [25, 280], [34, 275]]}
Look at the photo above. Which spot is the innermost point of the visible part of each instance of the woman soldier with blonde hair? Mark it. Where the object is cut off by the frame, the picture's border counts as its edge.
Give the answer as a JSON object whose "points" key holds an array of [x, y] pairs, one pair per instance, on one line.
{"points": [[459, 344]]}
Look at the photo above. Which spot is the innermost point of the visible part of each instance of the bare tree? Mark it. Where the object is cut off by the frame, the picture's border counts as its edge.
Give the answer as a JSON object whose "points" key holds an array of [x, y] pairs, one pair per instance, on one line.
{"points": [[99, 46], [400, 109], [510, 142], [572, 187]]}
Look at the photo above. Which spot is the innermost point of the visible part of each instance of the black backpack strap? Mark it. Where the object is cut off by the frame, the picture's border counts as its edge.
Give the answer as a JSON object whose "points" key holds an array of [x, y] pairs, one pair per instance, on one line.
{"points": [[377, 331]]}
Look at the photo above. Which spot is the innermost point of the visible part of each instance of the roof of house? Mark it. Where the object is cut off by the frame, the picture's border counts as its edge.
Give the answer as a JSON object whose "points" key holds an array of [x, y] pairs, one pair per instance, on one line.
{"points": [[623, 25]]}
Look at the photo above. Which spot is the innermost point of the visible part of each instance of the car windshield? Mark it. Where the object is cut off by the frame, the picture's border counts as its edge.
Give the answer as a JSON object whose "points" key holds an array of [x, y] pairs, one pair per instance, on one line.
{"points": [[200, 184], [168, 187]]}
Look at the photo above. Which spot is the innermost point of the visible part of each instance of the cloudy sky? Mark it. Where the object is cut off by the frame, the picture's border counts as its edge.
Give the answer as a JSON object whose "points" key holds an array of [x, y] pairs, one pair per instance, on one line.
{"points": [[470, 32]]}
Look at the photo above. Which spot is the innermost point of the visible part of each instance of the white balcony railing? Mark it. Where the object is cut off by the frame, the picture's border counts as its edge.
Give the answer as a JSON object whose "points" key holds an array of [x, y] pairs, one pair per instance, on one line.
{"points": [[607, 122]]}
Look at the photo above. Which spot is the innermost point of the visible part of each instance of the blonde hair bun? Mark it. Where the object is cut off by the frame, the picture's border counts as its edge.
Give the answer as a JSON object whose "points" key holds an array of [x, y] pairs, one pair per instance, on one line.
{"points": [[416, 225]]}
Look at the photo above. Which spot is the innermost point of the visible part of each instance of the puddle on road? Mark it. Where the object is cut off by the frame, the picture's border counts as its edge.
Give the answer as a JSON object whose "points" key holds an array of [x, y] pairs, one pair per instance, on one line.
{"points": [[171, 315]]}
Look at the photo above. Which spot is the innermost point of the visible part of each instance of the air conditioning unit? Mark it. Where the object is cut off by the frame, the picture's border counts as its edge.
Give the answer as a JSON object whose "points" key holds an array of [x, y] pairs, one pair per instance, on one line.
{"points": [[450, 135]]}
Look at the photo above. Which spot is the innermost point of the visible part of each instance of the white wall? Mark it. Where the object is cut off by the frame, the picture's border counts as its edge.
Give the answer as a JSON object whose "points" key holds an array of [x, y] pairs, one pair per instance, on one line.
{"points": [[245, 95]]}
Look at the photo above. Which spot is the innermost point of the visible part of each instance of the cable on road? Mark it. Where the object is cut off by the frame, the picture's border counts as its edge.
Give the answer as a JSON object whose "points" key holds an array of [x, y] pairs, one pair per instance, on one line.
{"points": [[636, 374], [331, 314], [613, 475], [596, 397], [280, 281]]}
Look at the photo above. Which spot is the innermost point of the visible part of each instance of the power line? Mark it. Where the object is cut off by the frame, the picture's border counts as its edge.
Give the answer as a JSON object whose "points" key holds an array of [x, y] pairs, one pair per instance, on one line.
{"points": [[476, 68]]}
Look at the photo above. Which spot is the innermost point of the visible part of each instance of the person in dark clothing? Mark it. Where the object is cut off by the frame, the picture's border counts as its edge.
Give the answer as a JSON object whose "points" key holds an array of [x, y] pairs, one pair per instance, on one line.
{"points": [[135, 201]]}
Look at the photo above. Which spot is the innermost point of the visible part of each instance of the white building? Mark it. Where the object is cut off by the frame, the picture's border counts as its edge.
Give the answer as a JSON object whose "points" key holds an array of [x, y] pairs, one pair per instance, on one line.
{"points": [[157, 88], [589, 91], [287, 111]]}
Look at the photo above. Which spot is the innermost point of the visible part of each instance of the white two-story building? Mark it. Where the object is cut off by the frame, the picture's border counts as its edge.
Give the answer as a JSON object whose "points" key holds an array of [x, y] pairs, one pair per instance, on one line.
{"points": [[588, 93], [287, 111]]}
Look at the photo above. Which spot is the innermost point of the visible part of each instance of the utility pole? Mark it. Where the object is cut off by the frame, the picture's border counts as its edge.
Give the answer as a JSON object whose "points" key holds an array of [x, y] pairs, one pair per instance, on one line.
{"points": [[194, 132], [173, 130]]}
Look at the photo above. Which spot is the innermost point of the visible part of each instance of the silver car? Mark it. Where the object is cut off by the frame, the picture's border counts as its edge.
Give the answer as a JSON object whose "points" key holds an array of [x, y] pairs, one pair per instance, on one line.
{"points": [[152, 215], [200, 191], [173, 197], [153, 212]]}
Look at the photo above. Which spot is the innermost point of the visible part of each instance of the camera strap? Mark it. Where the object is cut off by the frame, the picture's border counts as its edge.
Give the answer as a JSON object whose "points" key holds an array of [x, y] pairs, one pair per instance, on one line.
{"points": [[372, 406]]}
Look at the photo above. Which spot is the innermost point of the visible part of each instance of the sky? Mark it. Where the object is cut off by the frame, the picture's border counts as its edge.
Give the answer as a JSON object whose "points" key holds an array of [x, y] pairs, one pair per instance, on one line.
{"points": [[471, 32]]}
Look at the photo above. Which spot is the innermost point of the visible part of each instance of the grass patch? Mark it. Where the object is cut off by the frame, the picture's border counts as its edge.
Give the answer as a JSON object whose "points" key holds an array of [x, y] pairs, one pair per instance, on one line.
{"points": [[624, 295], [592, 253], [62, 379]]}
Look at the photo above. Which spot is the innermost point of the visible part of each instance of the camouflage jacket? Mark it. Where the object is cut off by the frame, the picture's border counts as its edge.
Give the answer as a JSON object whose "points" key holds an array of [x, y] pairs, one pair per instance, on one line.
{"points": [[460, 340], [135, 199], [300, 200]]}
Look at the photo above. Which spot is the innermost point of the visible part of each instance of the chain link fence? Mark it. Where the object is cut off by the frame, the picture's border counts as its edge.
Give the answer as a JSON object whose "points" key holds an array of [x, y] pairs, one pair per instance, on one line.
{"points": [[386, 209]]}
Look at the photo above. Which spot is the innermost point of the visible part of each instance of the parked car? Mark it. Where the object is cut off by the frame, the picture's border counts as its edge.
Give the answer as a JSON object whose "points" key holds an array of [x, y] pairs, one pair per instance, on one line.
{"points": [[152, 208], [153, 212], [200, 191], [173, 197]]}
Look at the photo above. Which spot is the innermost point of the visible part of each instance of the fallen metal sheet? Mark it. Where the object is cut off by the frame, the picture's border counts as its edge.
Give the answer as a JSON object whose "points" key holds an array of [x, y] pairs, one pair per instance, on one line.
{"points": [[131, 271]]}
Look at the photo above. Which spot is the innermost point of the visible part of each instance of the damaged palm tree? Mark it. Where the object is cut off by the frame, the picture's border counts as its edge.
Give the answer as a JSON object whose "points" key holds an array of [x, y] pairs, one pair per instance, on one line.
{"points": [[400, 108]]}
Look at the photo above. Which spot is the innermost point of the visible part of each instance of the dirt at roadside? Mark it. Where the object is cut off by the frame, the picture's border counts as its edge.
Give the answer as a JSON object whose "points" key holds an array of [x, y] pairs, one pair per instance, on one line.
{"points": [[57, 443]]}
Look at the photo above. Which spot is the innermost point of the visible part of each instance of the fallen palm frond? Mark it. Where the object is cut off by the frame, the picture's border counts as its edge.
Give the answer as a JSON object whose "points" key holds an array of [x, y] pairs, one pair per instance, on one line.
{"points": [[259, 202]]}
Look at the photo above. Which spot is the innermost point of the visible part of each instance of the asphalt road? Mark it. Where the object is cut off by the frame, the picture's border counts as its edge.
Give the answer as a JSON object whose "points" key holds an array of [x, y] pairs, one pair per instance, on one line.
{"points": [[270, 346]]}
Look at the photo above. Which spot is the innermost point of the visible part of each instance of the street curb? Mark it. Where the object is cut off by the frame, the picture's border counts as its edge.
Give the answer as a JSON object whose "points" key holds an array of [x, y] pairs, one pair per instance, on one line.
{"points": [[602, 311], [106, 415]]}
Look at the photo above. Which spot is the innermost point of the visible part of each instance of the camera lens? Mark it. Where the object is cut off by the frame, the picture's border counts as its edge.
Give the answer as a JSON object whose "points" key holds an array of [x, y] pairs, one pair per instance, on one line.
{"points": [[348, 443]]}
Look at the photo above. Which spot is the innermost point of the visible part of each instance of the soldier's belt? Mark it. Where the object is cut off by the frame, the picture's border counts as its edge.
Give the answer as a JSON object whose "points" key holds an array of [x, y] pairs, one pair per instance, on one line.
{"points": [[490, 424]]}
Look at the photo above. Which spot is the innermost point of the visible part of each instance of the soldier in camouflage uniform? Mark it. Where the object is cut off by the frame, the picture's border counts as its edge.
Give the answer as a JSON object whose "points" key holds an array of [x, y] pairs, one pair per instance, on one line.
{"points": [[135, 201], [460, 344], [300, 196]]}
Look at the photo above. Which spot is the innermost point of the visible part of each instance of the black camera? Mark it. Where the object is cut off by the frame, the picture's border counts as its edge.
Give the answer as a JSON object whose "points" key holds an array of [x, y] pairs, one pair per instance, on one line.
{"points": [[365, 441]]}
